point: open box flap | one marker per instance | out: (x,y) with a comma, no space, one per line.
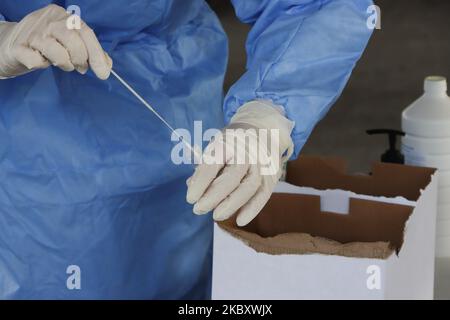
(295,224)
(370,229)
(386,179)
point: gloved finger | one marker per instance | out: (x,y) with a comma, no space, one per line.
(99,61)
(73,43)
(54,52)
(221,187)
(240,196)
(251,209)
(205,173)
(31,58)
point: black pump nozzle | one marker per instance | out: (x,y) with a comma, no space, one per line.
(391,155)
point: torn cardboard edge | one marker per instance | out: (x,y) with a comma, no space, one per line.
(303,243)
(371,229)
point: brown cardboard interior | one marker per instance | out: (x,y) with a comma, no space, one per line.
(371,229)
(367,221)
(386,179)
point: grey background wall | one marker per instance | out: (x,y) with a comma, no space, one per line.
(414,41)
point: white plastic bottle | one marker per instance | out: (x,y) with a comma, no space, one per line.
(426,123)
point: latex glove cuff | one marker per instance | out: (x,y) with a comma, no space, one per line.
(265,115)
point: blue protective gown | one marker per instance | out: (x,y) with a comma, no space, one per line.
(86,178)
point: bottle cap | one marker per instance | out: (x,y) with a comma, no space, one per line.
(429,116)
(435,85)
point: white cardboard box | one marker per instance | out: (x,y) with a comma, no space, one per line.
(241,272)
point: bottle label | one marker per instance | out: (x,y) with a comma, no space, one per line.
(412,157)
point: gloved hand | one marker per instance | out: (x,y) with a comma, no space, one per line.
(42,38)
(241,167)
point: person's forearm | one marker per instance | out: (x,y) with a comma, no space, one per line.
(300,56)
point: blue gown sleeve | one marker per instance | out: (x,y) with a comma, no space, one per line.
(300,54)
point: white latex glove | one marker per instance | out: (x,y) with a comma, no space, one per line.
(229,185)
(42,38)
